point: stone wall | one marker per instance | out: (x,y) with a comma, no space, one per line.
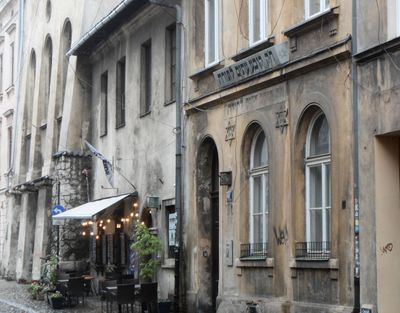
(71,189)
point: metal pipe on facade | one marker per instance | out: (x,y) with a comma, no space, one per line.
(179,294)
(354,76)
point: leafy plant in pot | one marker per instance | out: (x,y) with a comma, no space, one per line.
(147,246)
(56,300)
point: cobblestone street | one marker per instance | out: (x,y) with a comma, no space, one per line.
(15,298)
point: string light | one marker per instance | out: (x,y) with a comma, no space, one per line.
(135,205)
(137,214)
(122,220)
(108,221)
(132,214)
(97,236)
(91,233)
(83,233)
(127,220)
(104,227)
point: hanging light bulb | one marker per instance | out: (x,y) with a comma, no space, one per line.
(132,214)
(97,236)
(135,205)
(127,219)
(83,233)
(104,227)
(122,220)
(101,222)
(108,221)
(137,214)
(90,223)
(91,233)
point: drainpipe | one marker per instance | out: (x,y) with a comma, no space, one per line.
(354,74)
(179,293)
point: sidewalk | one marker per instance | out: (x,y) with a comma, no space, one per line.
(15,298)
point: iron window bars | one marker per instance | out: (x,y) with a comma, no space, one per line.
(319,250)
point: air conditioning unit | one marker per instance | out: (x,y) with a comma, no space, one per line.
(153,202)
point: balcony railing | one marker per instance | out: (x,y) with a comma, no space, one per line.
(319,250)
(253,250)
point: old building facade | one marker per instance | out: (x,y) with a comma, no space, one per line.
(376,85)
(269,172)
(47,98)
(131,61)
(9,79)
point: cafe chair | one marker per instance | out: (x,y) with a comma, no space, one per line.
(125,297)
(103,284)
(75,290)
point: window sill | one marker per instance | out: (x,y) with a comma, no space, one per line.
(207,70)
(103,135)
(119,126)
(311,23)
(331,264)
(144,114)
(167,103)
(9,89)
(43,125)
(255,262)
(254,49)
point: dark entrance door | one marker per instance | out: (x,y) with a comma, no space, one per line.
(214,195)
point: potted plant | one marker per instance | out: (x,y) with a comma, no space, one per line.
(56,300)
(147,247)
(36,290)
(164,306)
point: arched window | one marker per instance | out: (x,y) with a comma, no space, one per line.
(258,173)
(46,71)
(318,185)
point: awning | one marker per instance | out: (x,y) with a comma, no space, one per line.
(90,209)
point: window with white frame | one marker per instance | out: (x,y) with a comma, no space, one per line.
(258,18)
(211,32)
(258,192)
(318,184)
(314,7)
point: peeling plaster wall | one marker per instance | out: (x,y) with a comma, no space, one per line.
(143,150)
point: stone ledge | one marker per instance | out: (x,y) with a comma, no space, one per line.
(267,262)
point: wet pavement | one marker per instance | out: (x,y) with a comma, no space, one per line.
(15,298)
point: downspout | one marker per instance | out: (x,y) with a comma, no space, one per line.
(17,90)
(179,265)
(354,74)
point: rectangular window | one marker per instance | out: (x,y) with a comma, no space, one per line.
(257,21)
(170,64)
(10,132)
(103,103)
(12,62)
(318,179)
(211,32)
(314,7)
(120,93)
(145,78)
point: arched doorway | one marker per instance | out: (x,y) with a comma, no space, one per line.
(208,225)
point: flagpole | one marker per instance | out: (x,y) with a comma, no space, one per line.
(118,170)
